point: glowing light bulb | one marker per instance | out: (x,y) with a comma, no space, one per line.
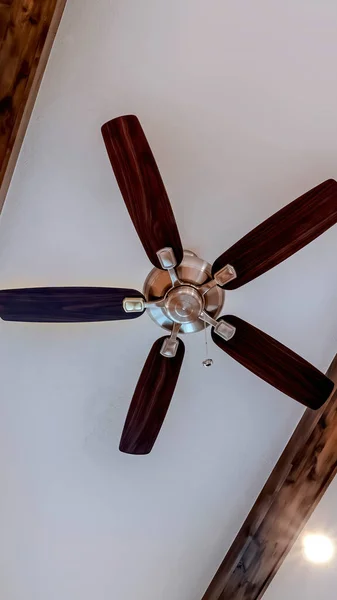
(318,548)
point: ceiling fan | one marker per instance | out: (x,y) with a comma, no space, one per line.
(183,293)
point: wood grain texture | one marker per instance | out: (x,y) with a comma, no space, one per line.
(301,476)
(151,400)
(141,186)
(66,304)
(4,18)
(275,363)
(27,31)
(283,234)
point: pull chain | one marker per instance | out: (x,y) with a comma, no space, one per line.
(208,361)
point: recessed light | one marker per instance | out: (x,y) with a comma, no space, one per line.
(318,548)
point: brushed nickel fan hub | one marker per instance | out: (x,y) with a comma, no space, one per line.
(183,304)
(184,301)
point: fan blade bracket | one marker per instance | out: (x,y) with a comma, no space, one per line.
(167,258)
(135,305)
(225,275)
(207,287)
(221,278)
(170,345)
(169,348)
(223,329)
(168,262)
(131,305)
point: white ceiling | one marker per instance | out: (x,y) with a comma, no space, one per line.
(299,579)
(238,100)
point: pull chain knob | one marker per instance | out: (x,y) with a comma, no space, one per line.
(208,361)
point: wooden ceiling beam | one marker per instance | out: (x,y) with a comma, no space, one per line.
(301,476)
(27,31)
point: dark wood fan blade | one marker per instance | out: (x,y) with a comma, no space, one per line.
(283,234)
(151,400)
(141,186)
(275,363)
(66,304)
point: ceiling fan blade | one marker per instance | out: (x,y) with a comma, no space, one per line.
(280,236)
(275,363)
(151,399)
(141,186)
(66,304)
